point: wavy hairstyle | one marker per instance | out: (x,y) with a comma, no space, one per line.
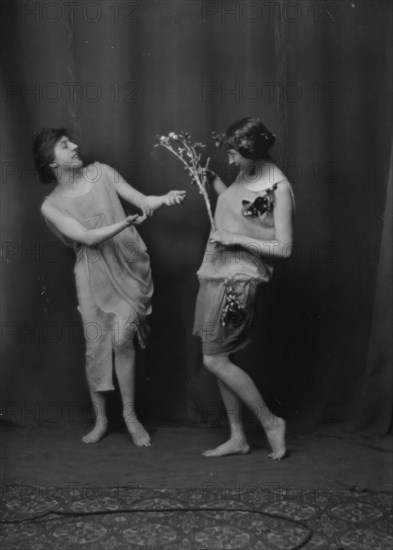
(43,152)
(249,136)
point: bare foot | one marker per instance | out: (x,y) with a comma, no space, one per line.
(138,433)
(276,437)
(97,432)
(230,447)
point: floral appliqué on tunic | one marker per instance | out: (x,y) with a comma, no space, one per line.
(233,311)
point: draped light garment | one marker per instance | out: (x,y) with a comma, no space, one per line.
(244,268)
(113,278)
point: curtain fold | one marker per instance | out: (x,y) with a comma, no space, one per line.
(374,408)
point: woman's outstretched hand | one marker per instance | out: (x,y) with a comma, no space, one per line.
(148,204)
(173,198)
(135,219)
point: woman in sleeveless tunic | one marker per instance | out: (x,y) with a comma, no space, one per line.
(253,221)
(112,268)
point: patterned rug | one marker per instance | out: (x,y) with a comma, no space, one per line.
(43,518)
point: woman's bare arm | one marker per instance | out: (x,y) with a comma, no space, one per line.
(147,203)
(219,186)
(75,231)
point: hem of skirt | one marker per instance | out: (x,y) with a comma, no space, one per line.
(236,277)
(142,334)
(232,349)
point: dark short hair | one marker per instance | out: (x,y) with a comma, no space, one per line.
(250,137)
(43,152)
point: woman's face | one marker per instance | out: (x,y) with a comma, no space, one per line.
(66,154)
(234,157)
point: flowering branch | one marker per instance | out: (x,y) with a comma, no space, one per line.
(189,154)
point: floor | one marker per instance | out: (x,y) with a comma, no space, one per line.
(326,469)
(56,454)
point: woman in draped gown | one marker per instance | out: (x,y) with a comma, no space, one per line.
(112,267)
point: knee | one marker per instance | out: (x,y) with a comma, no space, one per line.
(124,347)
(213,363)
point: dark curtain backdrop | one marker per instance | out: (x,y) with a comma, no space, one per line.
(117,74)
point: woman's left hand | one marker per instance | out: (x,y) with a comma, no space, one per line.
(174,198)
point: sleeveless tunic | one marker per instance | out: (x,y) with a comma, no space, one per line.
(242,269)
(113,278)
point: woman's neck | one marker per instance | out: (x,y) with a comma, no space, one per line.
(259,175)
(72,181)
